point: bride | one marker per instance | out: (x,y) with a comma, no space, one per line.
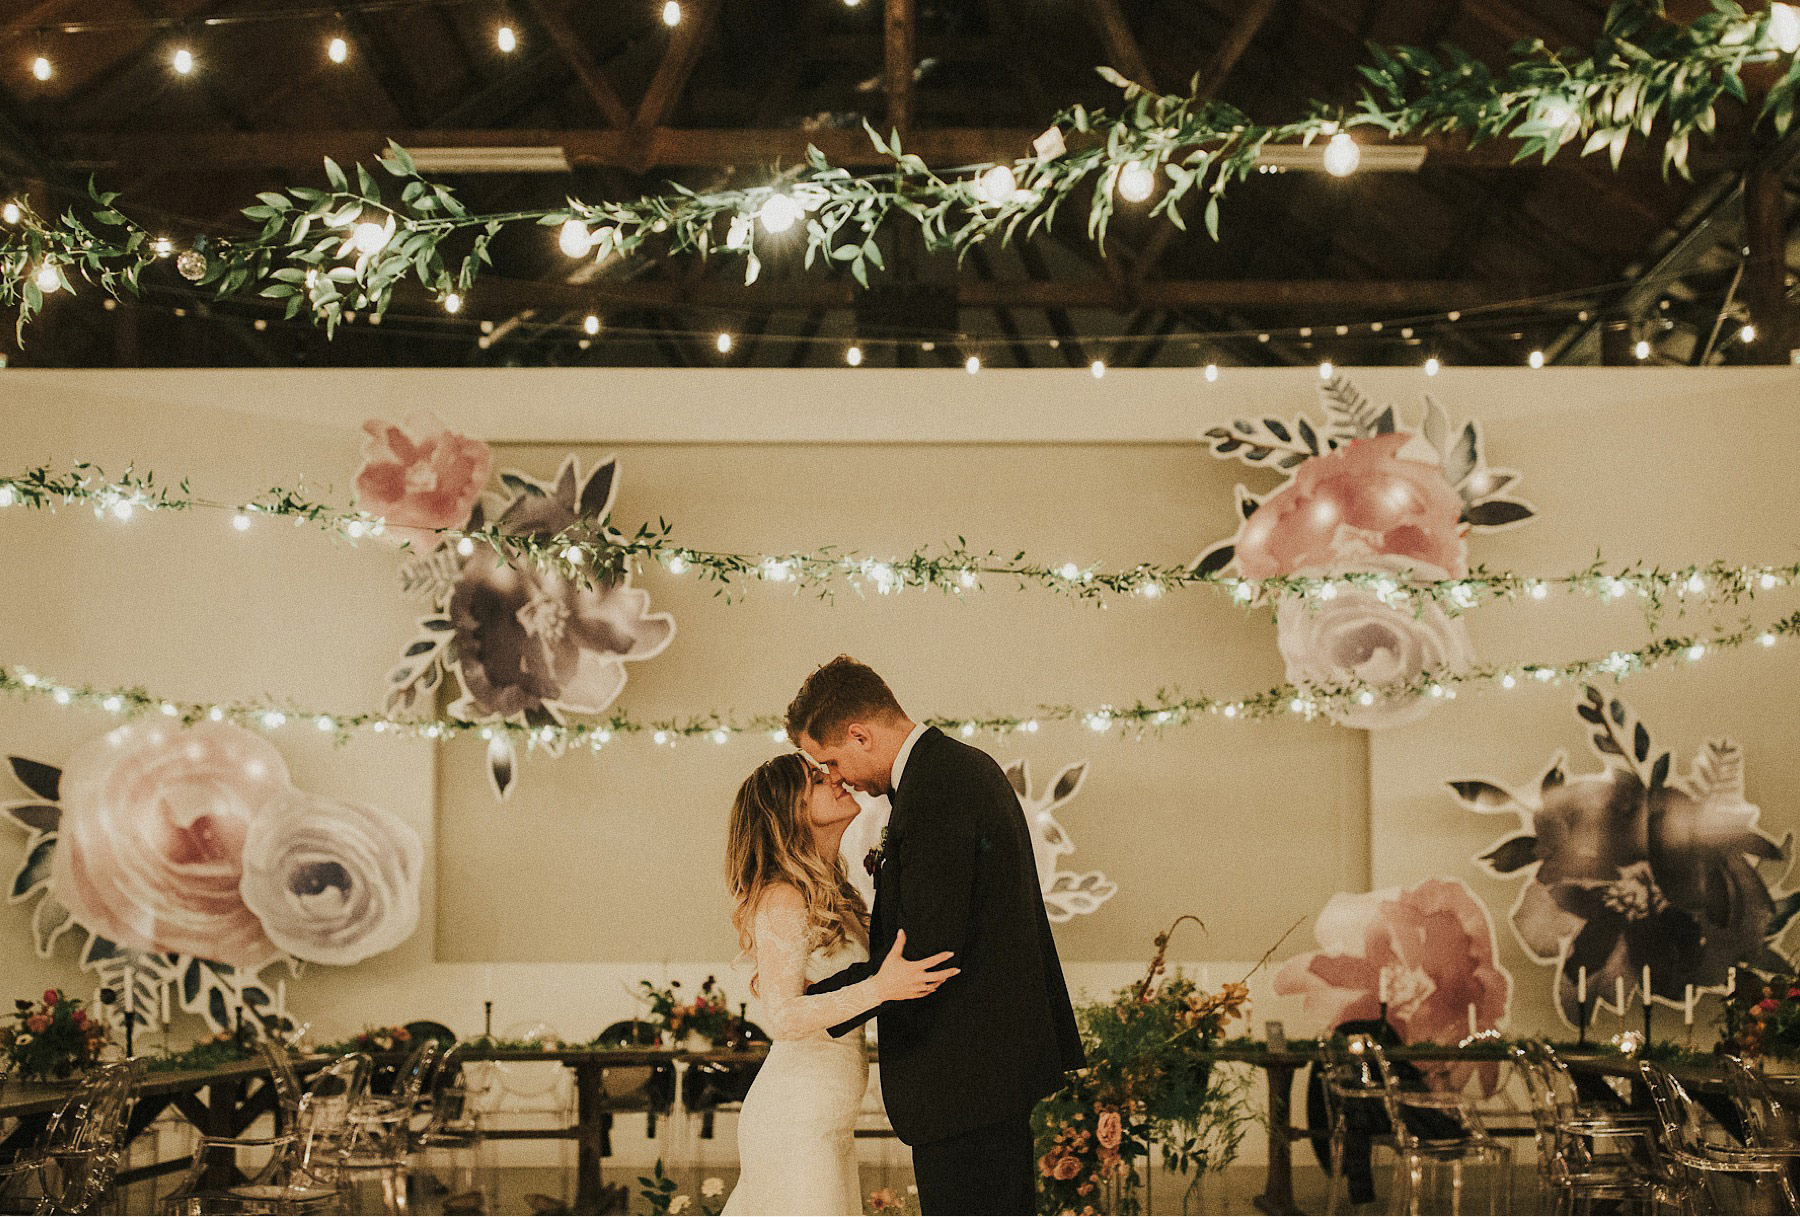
(801,920)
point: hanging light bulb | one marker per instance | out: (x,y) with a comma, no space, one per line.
(337,50)
(1136,182)
(11,213)
(972,364)
(369,237)
(1784,27)
(779,212)
(1747,334)
(996,186)
(40,68)
(1432,365)
(453,303)
(1535,359)
(182,61)
(48,278)
(1342,155)
(724,343)
(1098,368)
(1212,372)
(1642,349)
(506,38)
(575,239)
(591,324)
(854,357)
(672,14)
(1325,369)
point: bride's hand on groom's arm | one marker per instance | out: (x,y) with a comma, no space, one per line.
(903,979)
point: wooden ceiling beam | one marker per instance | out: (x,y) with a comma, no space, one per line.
(1237,40)
(494,296)
(685,44)
(652,147)
(899,56)
(575,53)
(1122,51)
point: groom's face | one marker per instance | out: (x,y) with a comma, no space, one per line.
(851,759)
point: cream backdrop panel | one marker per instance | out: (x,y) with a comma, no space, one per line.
(603,870)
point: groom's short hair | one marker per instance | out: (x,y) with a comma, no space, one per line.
(839,693)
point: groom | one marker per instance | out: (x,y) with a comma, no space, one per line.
(962,1069)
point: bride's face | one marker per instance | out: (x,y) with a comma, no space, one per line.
(829,802)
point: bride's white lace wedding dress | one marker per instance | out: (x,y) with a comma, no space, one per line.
(796,1133)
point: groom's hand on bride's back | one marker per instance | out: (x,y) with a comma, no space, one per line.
(903,979)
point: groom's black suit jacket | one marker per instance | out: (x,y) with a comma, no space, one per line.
(957,874)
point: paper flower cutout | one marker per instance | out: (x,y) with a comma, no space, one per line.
(1636,866)
(333,882)
(530,645)
(1362,496)
(420,476)
(1067,894)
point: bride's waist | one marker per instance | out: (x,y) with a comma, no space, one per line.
(851,1044)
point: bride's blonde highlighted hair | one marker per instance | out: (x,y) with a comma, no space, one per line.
(771,842)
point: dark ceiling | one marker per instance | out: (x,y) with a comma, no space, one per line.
(1571,258)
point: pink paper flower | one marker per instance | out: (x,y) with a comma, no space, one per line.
(152,834)
(420,476)
(1362,499)
(1433,940)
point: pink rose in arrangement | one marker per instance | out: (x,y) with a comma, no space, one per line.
(1111,1130)
(1433,941)
(151,845)
(1360,499)
(420,476)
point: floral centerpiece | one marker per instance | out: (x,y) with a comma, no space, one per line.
(1762,1020)
(374,1039)
(53,1038)
(707,1017)
(1149,1080)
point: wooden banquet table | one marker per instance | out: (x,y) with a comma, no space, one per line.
(226,1100)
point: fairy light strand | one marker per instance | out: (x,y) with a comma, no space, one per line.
(1137,720)
(590,554)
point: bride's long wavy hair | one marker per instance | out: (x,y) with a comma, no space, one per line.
(771,841)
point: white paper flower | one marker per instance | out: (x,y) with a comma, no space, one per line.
(1354,637)
(333,882)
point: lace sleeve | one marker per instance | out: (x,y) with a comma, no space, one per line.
(782,947)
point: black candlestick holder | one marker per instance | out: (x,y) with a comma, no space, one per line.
(1384,1020)
(487,1020)
(132,1018)
(1647,1008)
(1581,1022)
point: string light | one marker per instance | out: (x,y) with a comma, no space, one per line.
(337,50)
(1784,27)
(1326,369)
(1432,365)
(182,61)
(575,239)
(1136,182)
(1747,333)
(241,522)
(506,38)
(972,364)
(854,356)
(779,212)
(48,278)
(996,186)
(1642,349)
(40,68)
(452,303)
(1212,372)
(369,237)
(1536,359)
(591,324)
(1342,155)
(671,14)
(10,212)
(723,342)
(1098,368)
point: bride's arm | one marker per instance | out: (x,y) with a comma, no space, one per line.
(781,951)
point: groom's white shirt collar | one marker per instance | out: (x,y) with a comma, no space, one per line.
(900,760)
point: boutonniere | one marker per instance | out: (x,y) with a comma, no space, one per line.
(872,859)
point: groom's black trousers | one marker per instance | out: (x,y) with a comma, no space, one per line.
(988,1170)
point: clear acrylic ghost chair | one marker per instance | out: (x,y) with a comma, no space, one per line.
(1707,1171)
(1585,1155)
(452,1127)
(1434,1129)
(71,1168)
(302,1174)
(1352,1089)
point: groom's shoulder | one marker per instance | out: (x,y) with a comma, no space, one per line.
(950,757)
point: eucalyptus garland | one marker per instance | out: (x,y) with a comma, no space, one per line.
(597,553)
(1167,708)
(324,251)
